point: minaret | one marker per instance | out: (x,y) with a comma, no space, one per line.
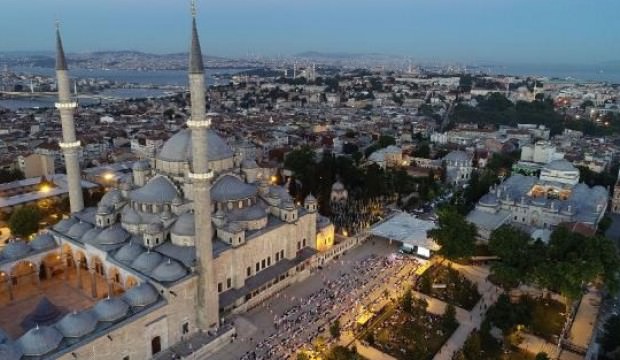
(207,315)
(70,145)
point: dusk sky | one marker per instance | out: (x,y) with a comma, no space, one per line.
(527,31)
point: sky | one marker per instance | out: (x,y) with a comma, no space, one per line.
(504,31)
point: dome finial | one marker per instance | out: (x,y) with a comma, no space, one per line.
(193,8)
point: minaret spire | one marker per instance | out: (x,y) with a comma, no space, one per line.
(207,309)
(70,145)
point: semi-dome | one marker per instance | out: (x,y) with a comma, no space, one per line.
(39,341)
(10,352)
(130,216)
(179,147)
(140,165)
(111,198)
(112,235)
(16,249)
(64,225)
(184,226)
(168,271)
(90,235)
(147,261)
(43,241)
(78,230)
(77,324)
(129,252)
(230,188)
(155,227)
(141,295)
(157,190)
(255,212)
(110,309)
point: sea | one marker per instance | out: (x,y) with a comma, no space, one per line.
(146,78)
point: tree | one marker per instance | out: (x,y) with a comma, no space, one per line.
(407,301)
(334,329)
(542,356)
(473,346)
(341,353)
(455,235)
(25,221)
(303,356)
(449,318)
(518,255)
(385,141)
(10,175)
(611,340)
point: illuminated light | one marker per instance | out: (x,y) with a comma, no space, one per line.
(274,179)
(345,233)
(45,189)
(108,176)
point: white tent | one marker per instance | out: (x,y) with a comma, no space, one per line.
(407,229)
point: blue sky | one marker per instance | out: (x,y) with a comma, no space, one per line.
(516,31)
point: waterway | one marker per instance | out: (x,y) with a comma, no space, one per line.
(144,78)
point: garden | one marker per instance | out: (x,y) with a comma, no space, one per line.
(448,285)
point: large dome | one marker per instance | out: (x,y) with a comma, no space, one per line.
(179,147)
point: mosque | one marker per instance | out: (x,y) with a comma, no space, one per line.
(195,234)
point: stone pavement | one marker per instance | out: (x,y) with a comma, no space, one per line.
(467,323)
(534,345)
(257,324)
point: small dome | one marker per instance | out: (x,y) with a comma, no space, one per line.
(177,201)
(220,214)
(141,295)
(130,216)
(39,341)
(154,228)
(129,252)
(166,215)
(77,324)
(289,204)
(184,226)
(112,235)
(338,186)
(310,199)
(90,235)
(110,309)
(168,271)
(125,186)
(234,228)
(76,231)
(230,188)
(249,164)
(16,249)
(10,352)
(43,241)
(157,190)
(146,262)
(111,198)
(64,225)
(140,166)
(4,337)
(103,209)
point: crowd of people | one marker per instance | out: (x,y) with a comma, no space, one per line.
(360,286)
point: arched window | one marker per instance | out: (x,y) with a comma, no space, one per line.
(155,345)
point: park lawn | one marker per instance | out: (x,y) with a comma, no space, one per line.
(547,318)
(459,291)
(410,337)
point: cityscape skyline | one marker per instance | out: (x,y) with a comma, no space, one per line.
(552,34)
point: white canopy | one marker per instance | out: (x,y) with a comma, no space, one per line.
(407,229)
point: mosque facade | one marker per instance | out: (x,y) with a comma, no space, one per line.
(195,234)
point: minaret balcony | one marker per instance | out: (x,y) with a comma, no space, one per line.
(69,145)
(197,124)
(66,105)
(206,176)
